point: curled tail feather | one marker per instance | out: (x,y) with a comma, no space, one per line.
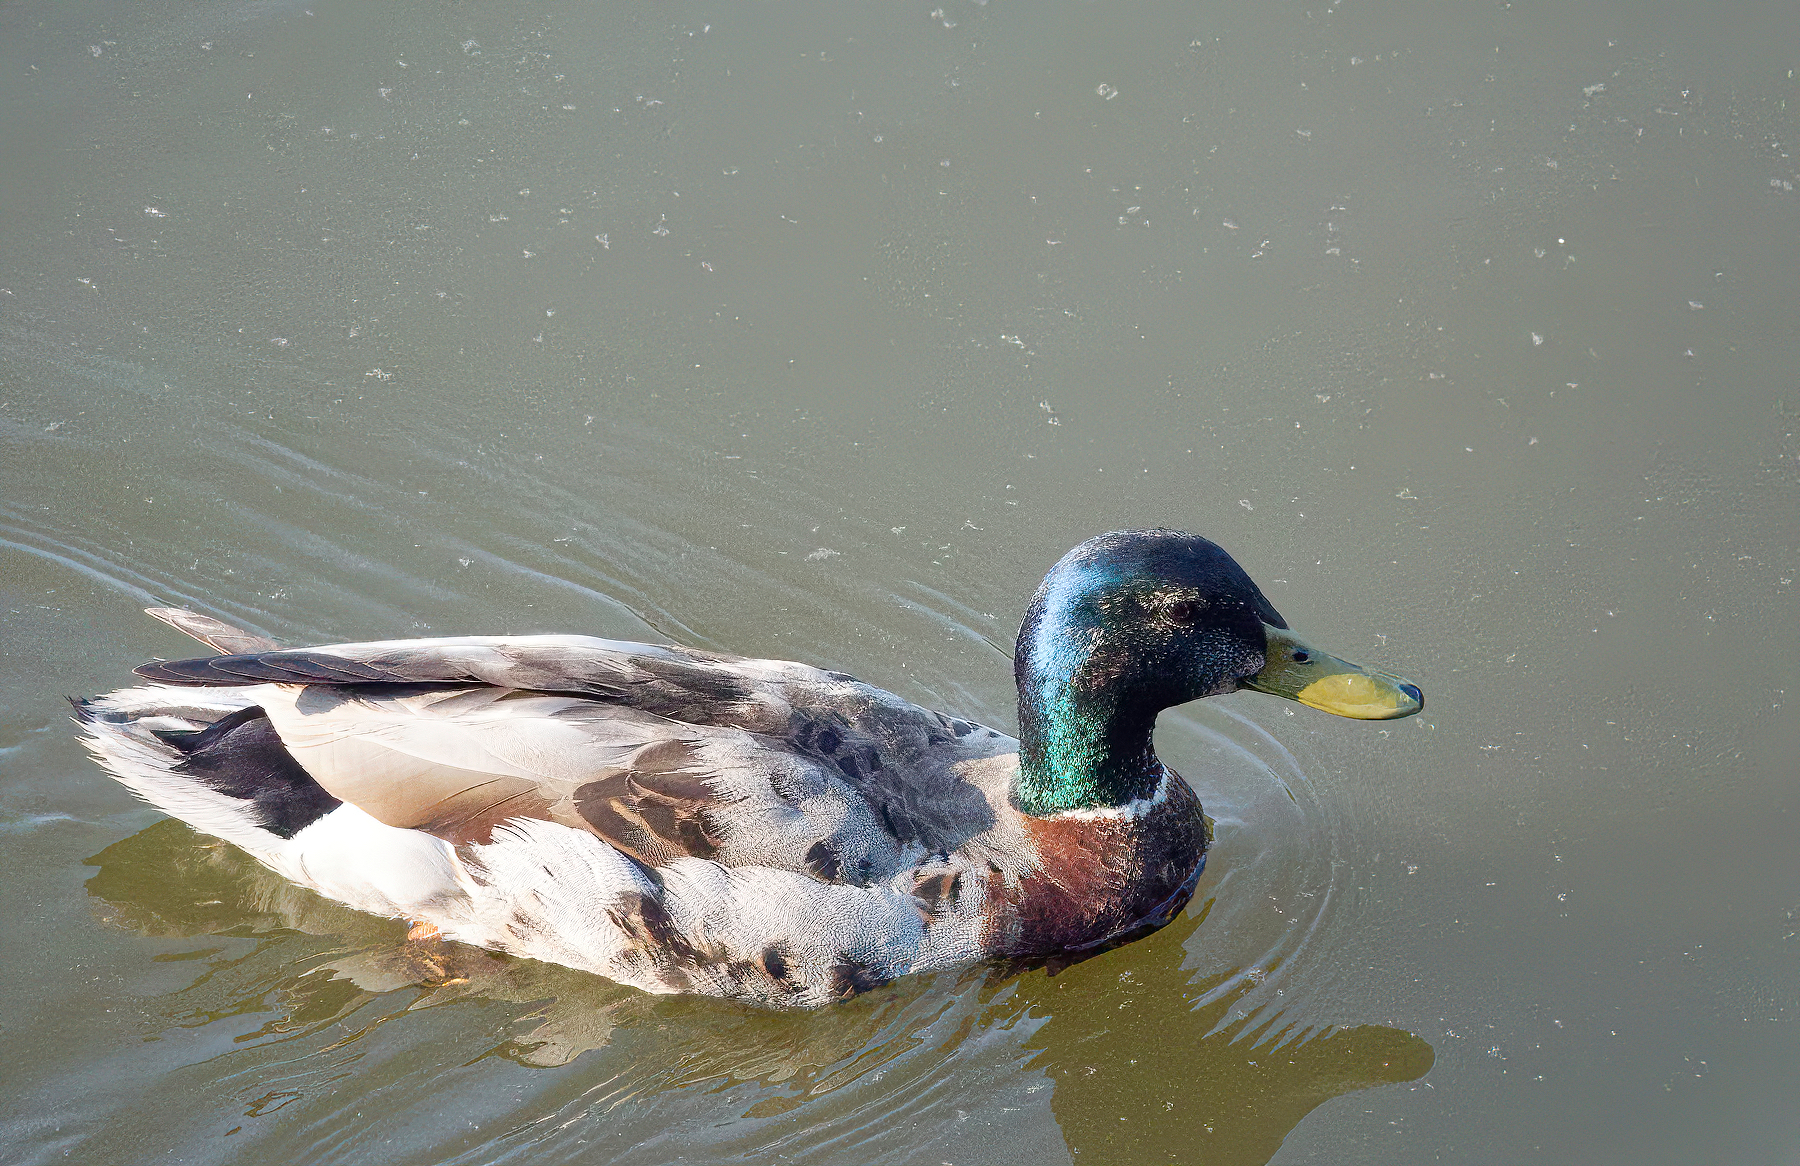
(215,634)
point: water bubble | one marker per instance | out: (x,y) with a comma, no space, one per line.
(1106,92)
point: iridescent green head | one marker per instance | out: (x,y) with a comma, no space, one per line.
(1133,622)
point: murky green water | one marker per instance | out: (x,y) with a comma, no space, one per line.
(820,331)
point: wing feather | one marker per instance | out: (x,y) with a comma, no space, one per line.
(663,752)
(571,664)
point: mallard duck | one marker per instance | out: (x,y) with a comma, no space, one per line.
(685,821)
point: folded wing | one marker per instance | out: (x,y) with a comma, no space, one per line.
(663,752)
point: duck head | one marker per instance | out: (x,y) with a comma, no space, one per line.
(1130,623)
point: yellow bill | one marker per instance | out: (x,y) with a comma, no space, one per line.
(1297,670)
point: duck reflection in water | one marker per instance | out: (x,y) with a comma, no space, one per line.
(1117,1035)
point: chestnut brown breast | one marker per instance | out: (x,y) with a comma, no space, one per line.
(1097,877)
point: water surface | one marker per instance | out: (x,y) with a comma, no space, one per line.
(819,331)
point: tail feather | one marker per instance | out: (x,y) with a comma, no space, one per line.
(241,756)
(130,749)
(207,757)
(215,634)
(211,758)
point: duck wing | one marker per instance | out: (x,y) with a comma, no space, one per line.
(676,682)
(663,752)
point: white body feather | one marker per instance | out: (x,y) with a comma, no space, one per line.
(550,891)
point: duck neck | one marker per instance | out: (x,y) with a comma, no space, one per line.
(1082,747)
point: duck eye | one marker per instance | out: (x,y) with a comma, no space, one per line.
(1302,656)
(1180,613)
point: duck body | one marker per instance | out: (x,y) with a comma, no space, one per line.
(684,821)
